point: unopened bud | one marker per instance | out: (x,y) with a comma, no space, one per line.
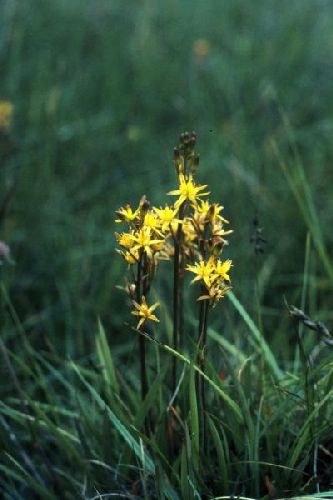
(192,141)
(145,204)
(218,245)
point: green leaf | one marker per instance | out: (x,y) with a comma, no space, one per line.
(223,466)
(105,358)
(257,335)
(194,421)
(184,484)
(125,434)
(38,488)
(150,398)
(233,406)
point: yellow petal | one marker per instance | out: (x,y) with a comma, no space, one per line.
(153,317)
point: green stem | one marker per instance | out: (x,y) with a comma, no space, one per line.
(142,346)
(204,310)
(178,297)
(308,390)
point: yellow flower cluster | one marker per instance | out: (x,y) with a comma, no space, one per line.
(148,232)
(214,276)
(192,224)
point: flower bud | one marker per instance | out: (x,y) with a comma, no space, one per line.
(145,204)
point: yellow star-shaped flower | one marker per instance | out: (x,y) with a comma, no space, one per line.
(204,271)
(144,312)
(131,257)
(187,191)
(222,269)
(143,241)
(125,239)
(210,212)
(151,221)
(215,293)
(166,216)
(126,214)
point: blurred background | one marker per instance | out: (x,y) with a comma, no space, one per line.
(101,90)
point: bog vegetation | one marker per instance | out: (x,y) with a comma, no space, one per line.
(149,347)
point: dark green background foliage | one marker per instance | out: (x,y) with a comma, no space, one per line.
(101,91)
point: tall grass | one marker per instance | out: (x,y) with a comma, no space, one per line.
(101,90)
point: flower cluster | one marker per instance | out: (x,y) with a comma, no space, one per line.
(209,234)
(213,274)
(148,232)
(191,230)
(145,242)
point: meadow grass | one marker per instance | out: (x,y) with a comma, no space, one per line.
(101,90)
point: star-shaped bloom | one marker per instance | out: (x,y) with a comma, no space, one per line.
(144,312)
(166,216)
(143,241)
(125,239)
(187,191)
(131,257)
(204,271)
(210,212)
(126,214)
(215,293)
(151,221)
(218,230)
(222,269)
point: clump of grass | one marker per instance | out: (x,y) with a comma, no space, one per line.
(192,233)
(163,420)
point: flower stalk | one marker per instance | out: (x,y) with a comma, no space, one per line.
(191,232)
(142,345)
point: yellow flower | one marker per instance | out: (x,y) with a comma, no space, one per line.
(166,215)
(142,241)
(222,269)
(218,230)
(210,212)
(6,113)
(215,293)
(187,191)
(126,214)
(132,257)
(205,271)
(151,221)
(189,230)
(164,253)
(144,312)
(125,239)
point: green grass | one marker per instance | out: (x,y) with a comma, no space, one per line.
(101,92)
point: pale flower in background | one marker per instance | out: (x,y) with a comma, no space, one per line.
(201,48)
(6,114)
(4,251)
